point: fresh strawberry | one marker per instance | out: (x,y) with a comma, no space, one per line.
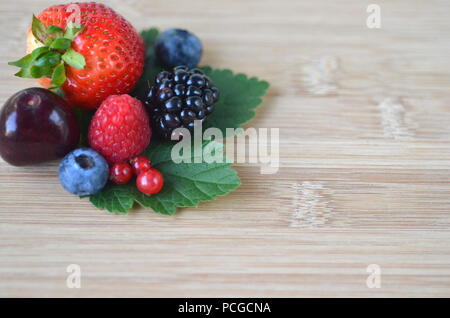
(119,129)
(101,56)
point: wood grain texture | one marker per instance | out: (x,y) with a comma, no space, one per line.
(365,162)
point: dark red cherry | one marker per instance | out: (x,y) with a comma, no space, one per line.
(36,125)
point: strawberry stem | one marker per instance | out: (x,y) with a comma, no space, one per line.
(50,59)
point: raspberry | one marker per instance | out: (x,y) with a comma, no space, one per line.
(120,129)
(179,98)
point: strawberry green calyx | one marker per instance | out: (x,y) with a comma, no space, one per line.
(50,59)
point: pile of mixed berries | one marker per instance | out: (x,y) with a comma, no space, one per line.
(94,65)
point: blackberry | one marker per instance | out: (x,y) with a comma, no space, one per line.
(179,98)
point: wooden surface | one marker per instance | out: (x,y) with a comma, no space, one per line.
(365,163)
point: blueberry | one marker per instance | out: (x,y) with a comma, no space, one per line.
(176,47)
(83,172)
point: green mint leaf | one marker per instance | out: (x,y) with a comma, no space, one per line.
(61,44)
(74,59)
(72,30)
(151,65)
(59,75)
(116,199)
(239,97)
(55,30)
(39,30)
(185,184)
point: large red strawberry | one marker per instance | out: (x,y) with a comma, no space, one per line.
(100,55)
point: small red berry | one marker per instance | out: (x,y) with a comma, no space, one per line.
(121,173)
(150,181)
(140,164)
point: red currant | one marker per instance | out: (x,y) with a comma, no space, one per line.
(150,181)
(120,173)
(140,164)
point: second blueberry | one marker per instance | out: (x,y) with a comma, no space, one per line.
(175,47)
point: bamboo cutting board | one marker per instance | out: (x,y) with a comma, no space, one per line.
(365,163)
